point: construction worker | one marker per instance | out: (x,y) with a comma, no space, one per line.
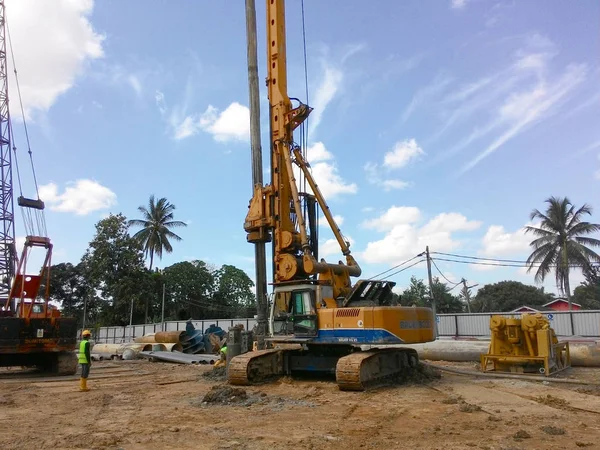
(85,359)
(223,360)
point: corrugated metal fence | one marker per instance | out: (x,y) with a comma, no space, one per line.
(578,323)
(564,323)
(119,335)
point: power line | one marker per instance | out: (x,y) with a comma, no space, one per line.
(524,265)
(405,268)
(396,266)
(480,258)
(445,278)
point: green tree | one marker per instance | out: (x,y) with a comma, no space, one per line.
(113,264)
(157,221)
(419,294)
(507,296)
(233,296)
(189,289)
(587,294)
(561,241)
(70,288)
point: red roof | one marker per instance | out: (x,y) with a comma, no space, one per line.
(562,300)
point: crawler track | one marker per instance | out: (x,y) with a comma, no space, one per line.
(253,367)
(358,371)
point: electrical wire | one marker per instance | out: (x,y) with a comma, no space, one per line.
(395,267)
(479,258)
(405,268)
(524,265)
(444,276)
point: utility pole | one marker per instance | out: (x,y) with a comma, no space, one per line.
(131,313)
(431,292)
(84,312)
(260,260)
(467,293)
(162,317)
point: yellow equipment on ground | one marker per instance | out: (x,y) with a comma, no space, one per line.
(525,345)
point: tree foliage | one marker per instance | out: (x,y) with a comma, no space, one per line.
(507,296)
(417,293)
(561,241)
(157,221)
(587,294)
(189,287)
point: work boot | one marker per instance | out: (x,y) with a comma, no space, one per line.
(83,385)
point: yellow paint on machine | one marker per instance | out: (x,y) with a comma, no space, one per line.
(384,324)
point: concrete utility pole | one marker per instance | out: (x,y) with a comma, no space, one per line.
(467,294)
(431,292)
(260,260)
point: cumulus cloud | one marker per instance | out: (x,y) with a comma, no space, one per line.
(402,154)
(80,197)
(405,237)
(331,247)
(325,172)
(53,42)
(232,124)
(498,242)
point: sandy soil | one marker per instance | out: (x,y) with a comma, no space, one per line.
(141,405)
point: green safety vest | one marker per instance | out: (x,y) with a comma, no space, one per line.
(224,350)
(82,357)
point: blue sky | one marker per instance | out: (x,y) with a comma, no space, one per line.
(436,123)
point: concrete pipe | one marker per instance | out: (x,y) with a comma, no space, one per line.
(169,337)
(130,354)
(145,339)
(173,347)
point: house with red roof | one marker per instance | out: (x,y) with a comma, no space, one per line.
(558,304)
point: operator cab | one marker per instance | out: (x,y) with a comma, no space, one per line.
(294,310)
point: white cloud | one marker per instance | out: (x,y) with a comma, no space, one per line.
(332,247)
(232,124)
(396,215)
(458,4)
(53,42)
(374,176)
(402,153)
(498,242)
(339,220)
(400,156)
(405,239)
(329,86)
(325,172)
(81,197)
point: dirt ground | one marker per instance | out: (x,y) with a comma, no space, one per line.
(142,405)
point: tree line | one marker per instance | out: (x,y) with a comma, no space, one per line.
(111,285)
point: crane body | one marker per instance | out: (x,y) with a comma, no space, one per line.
(32,331)
(318,320)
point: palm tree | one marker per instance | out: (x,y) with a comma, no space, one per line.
(561,242)
(156,223)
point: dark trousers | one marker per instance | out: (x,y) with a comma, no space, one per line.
(85,370)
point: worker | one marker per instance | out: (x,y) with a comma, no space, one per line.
(224,352)
(85,359)
(223,360)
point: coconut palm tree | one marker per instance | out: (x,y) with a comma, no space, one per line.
(156,223)
(561,241)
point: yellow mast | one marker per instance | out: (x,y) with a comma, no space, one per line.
(274,207)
